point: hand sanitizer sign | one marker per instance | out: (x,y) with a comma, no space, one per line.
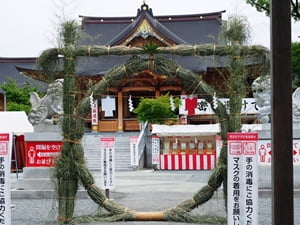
(5,160)
(242,182)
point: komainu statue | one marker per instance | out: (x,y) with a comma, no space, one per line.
(261,88)
(44,109)
(296,106)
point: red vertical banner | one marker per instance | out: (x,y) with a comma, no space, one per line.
(242,185)
(5,161)
(108,162)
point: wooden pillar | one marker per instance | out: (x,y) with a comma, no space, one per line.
(281,79)
(120,111)
(157,93)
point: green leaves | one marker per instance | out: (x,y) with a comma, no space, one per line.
(17,97)
(156,110)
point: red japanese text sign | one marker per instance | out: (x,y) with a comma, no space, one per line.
(42,153)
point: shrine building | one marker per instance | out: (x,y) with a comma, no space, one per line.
(140,29)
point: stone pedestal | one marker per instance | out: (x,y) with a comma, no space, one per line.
(38,178)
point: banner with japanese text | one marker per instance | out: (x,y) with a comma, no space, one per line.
(155,150)
(5,161)
(107,162)
(242,184)
(191,105)
(94,113)
(134,157)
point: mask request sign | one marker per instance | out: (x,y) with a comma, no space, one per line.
(242,183)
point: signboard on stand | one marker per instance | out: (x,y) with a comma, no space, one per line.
(155,150)
(108,162)
(42,153)
(5,160)
(242,205)
(134,155)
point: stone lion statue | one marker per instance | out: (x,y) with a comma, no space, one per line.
(296,106)
(44,109)
(261,88)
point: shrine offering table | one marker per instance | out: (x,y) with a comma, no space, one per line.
(187,161)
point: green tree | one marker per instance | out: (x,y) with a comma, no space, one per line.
(296,63)
(264,6)
(156,110)
(17,97)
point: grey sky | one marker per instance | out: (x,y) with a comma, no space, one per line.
(29,27)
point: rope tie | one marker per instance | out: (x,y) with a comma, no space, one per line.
(66,198)
(195,203)
(72,141)
(210,187)
(89,50)
(177,70)
(88,187)
(200,82)
(64,219)
(125,70)
(103,203)
(108,48)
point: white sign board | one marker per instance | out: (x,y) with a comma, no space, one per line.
(197,106)
(155,150)
(134,158)
(5,160)
(265,152)
(108,162)
(242,205)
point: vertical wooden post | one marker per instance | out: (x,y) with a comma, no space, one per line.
(282,157)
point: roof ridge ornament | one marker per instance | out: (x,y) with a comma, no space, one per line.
(145,8)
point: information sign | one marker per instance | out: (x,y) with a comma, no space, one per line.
(134,157)
(5,195)
(265,152)
(242,183)
(108,162)
(42,153)
(155,150)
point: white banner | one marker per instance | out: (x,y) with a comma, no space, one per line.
(134,157)
(108,162)
(197,106)
(155,150)
(5,162)
(265,152)
(242,205)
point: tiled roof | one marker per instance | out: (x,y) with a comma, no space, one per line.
(8,70)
